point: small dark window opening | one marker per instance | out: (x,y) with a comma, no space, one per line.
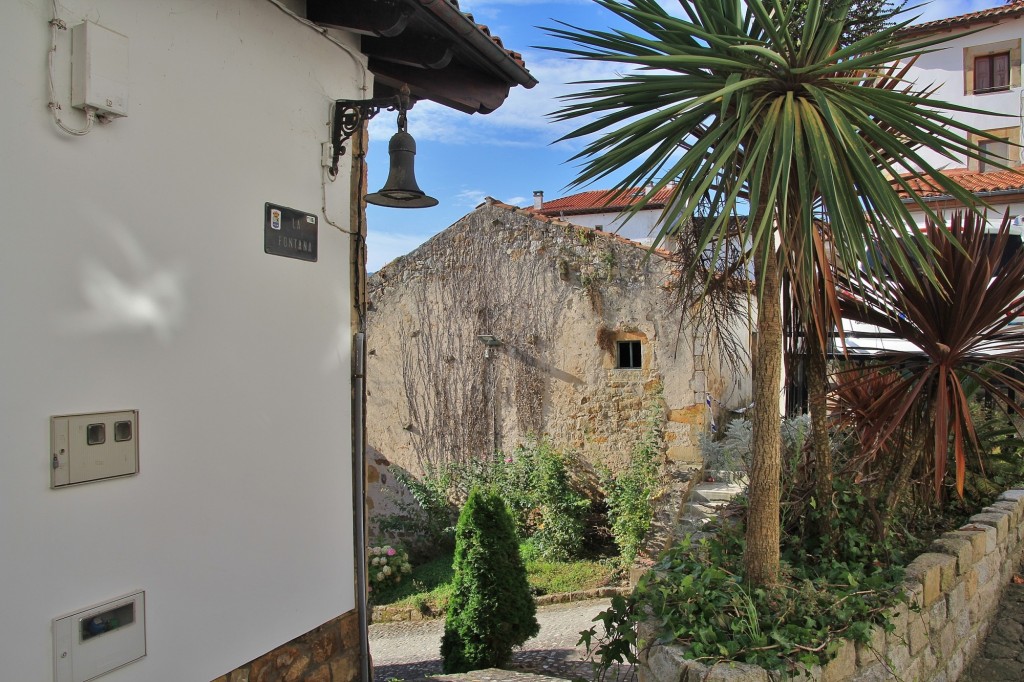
(629,355)
(992,72)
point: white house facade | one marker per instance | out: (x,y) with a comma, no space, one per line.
(980,67)
(181,401)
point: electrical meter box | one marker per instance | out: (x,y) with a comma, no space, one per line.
(92,447)
(99,69)
(93,641)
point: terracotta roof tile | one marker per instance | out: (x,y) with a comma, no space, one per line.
(973,181)
(486,30)
(602,201)
(1012,9)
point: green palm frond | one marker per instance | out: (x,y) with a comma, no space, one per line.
(729,107)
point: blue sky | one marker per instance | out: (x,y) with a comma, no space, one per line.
(511,152)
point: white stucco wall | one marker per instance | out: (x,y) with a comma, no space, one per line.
(944,68)
(995,215)
(133,277)
(640,227)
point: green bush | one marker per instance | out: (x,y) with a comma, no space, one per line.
(491,609)
(536,484)
(628,494)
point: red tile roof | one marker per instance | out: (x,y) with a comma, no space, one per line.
(972,181)
(602,201)
(486,30)
(1011,10)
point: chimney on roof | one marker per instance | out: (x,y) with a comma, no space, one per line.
(538,199)
(649,187)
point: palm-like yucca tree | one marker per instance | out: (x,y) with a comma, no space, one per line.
(728,104)
(964,331)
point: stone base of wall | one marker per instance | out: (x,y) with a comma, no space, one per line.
(953,591)
(328,653)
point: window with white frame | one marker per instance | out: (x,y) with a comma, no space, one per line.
(992,67)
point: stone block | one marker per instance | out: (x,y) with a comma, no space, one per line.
(955,665)
(957,546)
(983,569)
(962,628)
(927,569)
(937,616)
(735,672)
(898,618)
(346,668)
(843,666)
(912,671)
(991,537)
(666,663)
(696,672)
(929,661)
(917,634)
(956,601)
(1014,508)
(914,591)
(1014,494)
(872,651)
(872,673)
(999,521)
(321,674)
(978,538)
(945,643)
(970,583)
(897,655)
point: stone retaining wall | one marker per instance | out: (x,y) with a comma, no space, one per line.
(955,586)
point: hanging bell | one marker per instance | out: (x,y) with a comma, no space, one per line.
(401,190)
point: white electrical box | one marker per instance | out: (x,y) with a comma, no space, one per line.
(93,641)
(91,447)
(99,69)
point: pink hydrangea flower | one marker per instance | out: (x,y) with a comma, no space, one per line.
(391,551)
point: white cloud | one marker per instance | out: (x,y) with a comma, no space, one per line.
(384,247)
(522,121)
(471,198)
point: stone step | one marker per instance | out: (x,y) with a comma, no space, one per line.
(715,492)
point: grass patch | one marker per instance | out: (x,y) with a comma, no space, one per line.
(547,577)
(428,587)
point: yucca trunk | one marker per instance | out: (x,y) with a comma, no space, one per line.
(761,555)
(817,403)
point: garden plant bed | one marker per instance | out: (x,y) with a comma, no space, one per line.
(952,592)
(424,593)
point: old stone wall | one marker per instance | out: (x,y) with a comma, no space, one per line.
(328,653)
(953,592)
(558,298)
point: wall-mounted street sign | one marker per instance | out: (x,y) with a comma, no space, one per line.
(289,233)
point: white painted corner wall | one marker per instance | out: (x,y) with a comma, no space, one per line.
(133,277)
(944,70)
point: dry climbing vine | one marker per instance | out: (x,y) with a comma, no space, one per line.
(478,281)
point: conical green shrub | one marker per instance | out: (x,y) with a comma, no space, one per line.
(491,610)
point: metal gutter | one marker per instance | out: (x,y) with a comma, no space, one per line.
(470,33)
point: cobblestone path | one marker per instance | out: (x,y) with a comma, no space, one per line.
(409,650)
(1001,658)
